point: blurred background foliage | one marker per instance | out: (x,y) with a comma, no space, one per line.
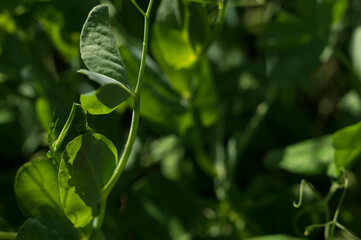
(230,123)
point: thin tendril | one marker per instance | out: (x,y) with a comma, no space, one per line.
(337,212)
(310,228)
(303,182)
(343,228)
(297,205)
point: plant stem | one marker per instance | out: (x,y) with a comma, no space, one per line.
(133,127)
(331,192)
(8,235)
(255,121)
(98,221)
(347,231)
(135,118)
(138,7)
(337,212)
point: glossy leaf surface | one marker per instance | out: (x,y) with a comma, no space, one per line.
(87,164)
(36,189)
(100,54)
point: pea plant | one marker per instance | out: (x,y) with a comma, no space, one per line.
(212,82)
(66,194)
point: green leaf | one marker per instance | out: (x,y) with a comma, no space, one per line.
(199,27)
(45,229)
(36,189)
(74,126)
(107,97)
(347,144)
(275,237)
(100,54)
(161,104)
(310,157)
(169,36)
(291,69)
(87,164)
(205,96)
(356,50)
(103,80)
(55,30)
(310,22)
(43,112)
(104,100)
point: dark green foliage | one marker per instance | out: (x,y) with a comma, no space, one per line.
(236,108)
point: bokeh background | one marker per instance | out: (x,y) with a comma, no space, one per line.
(210,160)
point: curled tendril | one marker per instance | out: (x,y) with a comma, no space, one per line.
(329,225)
(311,228)
(297,205)
(303,183)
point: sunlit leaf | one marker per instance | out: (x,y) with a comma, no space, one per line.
(107,97)
(170,43)
(43,112)
(100,54)
(104,100)
(87,164)
(205,94)
(347,144)
(310,157)
(36,189)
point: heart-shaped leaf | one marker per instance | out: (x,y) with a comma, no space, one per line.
(36,189)
(100,54)
(86,166)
